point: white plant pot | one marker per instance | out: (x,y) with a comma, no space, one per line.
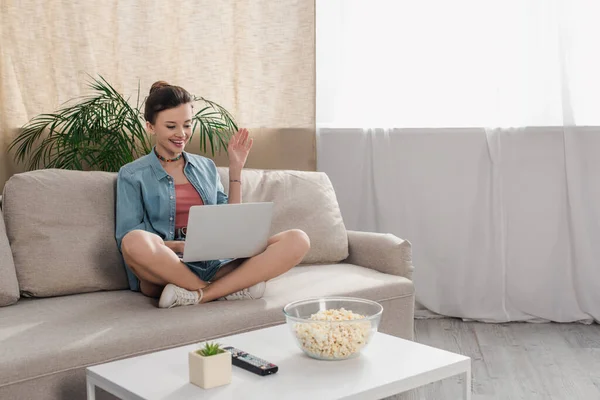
(211,371)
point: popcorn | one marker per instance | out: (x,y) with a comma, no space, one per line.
(331,340)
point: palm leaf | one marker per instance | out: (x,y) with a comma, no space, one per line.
(102,131)
(216,125)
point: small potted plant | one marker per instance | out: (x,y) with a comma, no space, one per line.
(210,366)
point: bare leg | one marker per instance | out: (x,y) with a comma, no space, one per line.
(155,264)
(150,289)
(284,251)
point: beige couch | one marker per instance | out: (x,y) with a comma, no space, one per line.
(64,292)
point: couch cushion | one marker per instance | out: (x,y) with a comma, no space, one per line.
(9,287)
(303,200)
(61,229)
(47,335)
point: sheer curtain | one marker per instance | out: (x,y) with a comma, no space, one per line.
(462,63)
(255,58)
(470,128)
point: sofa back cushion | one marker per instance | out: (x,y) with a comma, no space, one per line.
(9,287)
(61,229)
(303,200)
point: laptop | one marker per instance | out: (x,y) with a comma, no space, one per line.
(227,231)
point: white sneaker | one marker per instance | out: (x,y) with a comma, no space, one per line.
(174,296)
(251,293)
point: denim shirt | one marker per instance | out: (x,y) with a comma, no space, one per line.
(146,194)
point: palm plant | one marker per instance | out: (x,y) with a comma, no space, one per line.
(104,132)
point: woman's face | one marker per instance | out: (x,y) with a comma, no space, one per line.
(173,129)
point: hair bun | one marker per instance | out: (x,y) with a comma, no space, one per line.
(158,85)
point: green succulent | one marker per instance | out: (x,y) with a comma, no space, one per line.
(210,349)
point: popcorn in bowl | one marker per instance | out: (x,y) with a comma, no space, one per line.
(333,335)
(333,328)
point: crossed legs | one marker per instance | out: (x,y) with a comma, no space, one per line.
(156,265)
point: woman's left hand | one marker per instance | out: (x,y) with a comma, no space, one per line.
(238,148)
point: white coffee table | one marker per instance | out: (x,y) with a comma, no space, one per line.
(388,366)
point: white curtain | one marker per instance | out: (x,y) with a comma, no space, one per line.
(468,128)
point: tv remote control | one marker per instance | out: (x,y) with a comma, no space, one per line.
(251,363)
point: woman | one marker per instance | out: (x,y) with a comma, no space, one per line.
(154,195)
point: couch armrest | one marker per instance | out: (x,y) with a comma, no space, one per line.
(382,252)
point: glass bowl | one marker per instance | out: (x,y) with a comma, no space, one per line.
(333,328)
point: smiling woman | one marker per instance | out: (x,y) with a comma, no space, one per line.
(154,195)
(173,126)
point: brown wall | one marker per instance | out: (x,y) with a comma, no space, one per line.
(275,149)
(287,148)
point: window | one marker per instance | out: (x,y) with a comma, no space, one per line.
(459,63)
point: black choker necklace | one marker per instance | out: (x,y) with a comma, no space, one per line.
(167,159)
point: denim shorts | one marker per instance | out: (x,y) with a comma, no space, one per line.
(205,270)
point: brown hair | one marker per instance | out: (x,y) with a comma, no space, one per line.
(162,97)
